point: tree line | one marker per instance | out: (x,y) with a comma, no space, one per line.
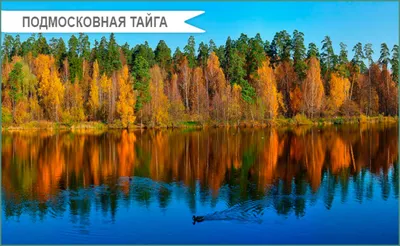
(247,79)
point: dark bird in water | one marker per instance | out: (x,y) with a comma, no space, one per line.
(249,211)
(197,219)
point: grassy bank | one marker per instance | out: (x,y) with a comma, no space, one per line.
(298,120)
(302,120)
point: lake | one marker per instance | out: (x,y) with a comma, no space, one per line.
(270,186)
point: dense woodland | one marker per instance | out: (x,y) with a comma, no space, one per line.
(248,79)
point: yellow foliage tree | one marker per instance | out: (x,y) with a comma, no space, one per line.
(21,112)
(51,90)
(339,87)
(214,75)
(126,99)
(215,86)
(267,91)
(176,109)
(73,103)
(159,102)
(56,95)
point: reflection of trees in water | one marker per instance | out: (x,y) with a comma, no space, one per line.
(291,169)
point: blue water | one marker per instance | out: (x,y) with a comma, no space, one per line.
(352,221)
(356,205)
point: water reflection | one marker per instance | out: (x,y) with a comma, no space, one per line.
(47,173)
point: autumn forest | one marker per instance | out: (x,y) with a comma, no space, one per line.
(245,80)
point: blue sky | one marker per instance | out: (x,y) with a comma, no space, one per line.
(348,22)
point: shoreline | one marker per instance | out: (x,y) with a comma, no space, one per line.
(297,121)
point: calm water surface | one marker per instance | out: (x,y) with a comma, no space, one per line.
(330,185)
